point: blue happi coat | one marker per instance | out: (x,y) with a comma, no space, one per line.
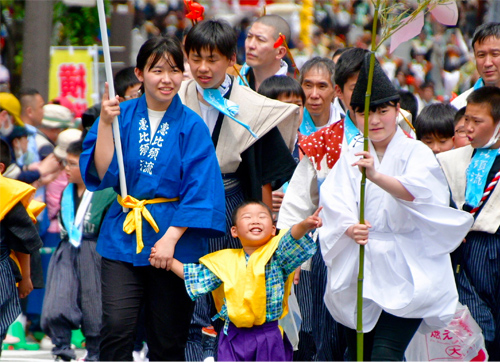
(177,161)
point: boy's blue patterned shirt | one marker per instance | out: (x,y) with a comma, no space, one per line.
(289,255)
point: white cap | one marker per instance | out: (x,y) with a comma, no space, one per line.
(63,141)
(56,116)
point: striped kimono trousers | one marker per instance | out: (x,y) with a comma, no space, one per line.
(9,298)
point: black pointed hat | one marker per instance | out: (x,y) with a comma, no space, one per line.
(382,89)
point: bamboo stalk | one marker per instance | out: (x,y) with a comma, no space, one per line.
(239,75)
(407,121)
(359,321)
(296,70)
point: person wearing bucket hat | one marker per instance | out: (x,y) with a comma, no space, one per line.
(64,139)
(408,233)
(56,118)
(54,189)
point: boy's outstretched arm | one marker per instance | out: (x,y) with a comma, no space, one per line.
(178,268)
(302,228)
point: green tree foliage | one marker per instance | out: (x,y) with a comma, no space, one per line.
(74,25)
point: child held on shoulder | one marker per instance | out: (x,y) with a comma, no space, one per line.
(251,285)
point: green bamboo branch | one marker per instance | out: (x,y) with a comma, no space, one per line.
(359,322)
(392,23)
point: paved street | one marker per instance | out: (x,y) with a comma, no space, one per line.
(40,355)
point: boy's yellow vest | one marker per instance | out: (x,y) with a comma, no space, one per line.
(244,286)
(14,191)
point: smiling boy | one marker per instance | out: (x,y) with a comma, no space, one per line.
(242,279)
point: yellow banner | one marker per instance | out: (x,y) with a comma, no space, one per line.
(71,76)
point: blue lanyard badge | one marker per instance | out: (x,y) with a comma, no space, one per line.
(68,216)
(230,109)
(477,173)
(307,126)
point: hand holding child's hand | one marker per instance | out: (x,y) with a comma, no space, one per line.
(359,232)
(110,107)
(162,254)
(25,287)
(366,162)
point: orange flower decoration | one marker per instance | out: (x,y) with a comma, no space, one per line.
(280,41)
(196,11)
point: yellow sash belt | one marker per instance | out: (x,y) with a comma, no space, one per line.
(133,221)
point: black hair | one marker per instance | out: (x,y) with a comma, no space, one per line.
(123,79)
(278,24)
(276,86)
(214,35)
(75,148)
(5,156)
(409,103)
(90,115)
(340,51)
(186,30)
(348,65)
(325,64)
(458,116)
(26,97)
(428,84)
(155,49)
(246,203)
(373,108)
(28,92)
(489,96)
(436,119)
(485,31)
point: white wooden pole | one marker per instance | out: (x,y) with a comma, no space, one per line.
(109,79)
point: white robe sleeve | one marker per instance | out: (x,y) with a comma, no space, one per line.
(340,211)
(423,176)
(301,198)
